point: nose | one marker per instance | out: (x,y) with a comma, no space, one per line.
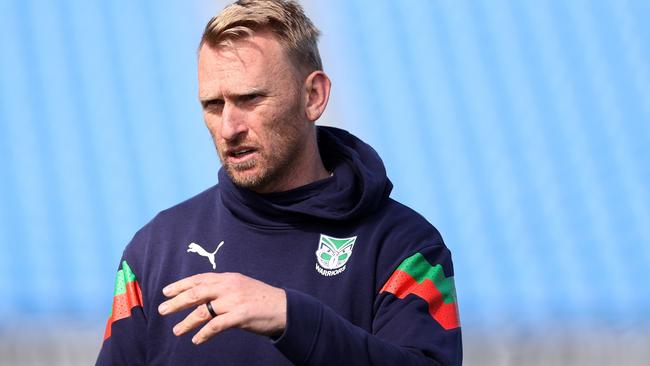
(233,122)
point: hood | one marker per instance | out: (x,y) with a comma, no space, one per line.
(358,187)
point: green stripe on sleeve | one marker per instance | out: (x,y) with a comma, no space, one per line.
(420,269)
(124,276)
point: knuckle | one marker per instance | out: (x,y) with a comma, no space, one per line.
(194,294)
(203,313)
(214,327)
(242,313)
(238,299)
(200,278)
(197,280)
(239,280)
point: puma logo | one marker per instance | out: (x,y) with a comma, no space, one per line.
(195,248)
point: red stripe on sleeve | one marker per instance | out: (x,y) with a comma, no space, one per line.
(122,305)
(402,284)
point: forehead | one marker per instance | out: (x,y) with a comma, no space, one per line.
(257,61)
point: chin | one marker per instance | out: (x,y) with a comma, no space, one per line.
(247,179)
(256,175)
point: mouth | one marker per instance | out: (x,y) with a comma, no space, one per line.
(240,154)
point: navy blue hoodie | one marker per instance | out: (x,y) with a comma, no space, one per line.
(368,280)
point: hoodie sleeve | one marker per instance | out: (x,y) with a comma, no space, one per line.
(123,338)
(416,320)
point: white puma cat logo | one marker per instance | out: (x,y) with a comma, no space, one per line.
(195,248)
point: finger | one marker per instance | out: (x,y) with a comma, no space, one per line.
(216,326)
(198,316)
(196,295)
(186,283)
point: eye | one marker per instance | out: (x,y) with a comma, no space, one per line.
(212,104)
(249,97)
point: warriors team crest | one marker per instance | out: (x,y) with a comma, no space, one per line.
(332,254)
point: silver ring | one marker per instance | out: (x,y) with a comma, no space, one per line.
(210,309)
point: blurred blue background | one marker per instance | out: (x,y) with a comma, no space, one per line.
(521,129)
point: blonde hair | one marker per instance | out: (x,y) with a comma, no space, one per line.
(285,18)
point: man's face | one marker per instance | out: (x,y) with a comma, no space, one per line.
(253,106)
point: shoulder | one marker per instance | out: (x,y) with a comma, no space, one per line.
(158,242)
(402,233)
(187,210)
(177,219)
(403,224)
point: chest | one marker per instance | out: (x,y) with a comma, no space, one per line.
(336,268)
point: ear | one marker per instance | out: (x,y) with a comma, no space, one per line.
(317,87)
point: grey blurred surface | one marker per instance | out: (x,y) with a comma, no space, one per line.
(586,347)
(601,347)
(52,346)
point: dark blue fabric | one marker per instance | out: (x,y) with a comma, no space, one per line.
(358,187)
(336,319)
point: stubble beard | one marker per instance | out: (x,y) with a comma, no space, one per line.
(274,165)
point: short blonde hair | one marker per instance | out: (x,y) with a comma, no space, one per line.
(286,18)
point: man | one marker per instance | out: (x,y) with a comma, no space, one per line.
(297,255)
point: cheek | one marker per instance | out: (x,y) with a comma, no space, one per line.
(212,123)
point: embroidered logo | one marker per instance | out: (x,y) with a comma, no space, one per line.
(195,248)
(332,254)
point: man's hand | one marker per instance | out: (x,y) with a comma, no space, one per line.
(239,301)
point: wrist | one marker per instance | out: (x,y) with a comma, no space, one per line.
(280,319)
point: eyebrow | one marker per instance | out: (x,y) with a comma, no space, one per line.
(260,91)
